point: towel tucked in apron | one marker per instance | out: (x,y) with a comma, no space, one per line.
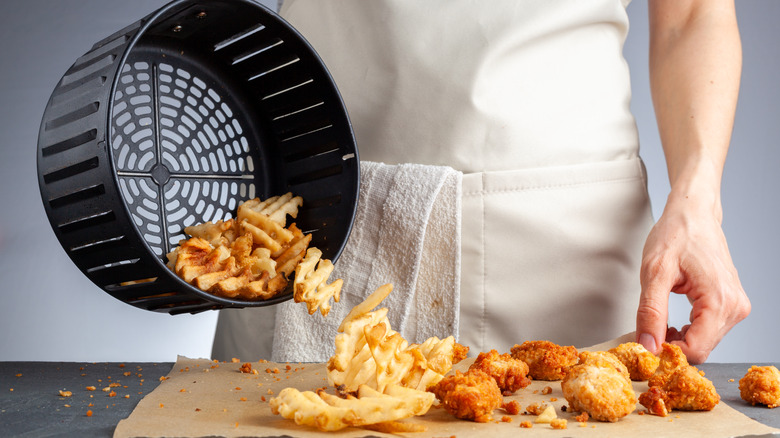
(530,100)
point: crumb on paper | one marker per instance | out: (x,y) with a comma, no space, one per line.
(536,408)
(512,407)
(547,415)
(559,423)
(526,425)
(583,417)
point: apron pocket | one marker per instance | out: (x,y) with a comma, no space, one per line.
(552,253)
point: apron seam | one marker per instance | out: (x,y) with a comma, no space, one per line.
(549,186)
(483,324)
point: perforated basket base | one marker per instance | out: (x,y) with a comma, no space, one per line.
(174,121)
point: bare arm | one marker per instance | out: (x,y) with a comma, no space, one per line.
(695,64)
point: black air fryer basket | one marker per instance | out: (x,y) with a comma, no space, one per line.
(174,121)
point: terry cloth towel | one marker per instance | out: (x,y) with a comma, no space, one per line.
(406,232)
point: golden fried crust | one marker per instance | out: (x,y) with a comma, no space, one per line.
(509,373)
(546,360)
(761,385)
(688,390)
(471,396)
(605,393)
(459,352)
(641,364)
(670,358)
(654,400)
(604,359)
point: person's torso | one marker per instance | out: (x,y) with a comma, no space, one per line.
(479,86)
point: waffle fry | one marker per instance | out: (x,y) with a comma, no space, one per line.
(277,207)
(328,412)
(310,285)
(369,353)
(252,256)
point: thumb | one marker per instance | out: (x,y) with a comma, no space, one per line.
(653,312)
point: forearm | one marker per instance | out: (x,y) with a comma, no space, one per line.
(695,65)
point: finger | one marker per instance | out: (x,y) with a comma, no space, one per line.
(672,334)
(651,318)
(700,337)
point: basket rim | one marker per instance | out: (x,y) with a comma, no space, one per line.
(153,19)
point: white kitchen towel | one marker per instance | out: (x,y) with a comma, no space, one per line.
(406,232)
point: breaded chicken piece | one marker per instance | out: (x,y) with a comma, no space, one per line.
(761,385)
(600,389)
(653,400)
(685,389)
(604,359)
(641,363)
(471,396)
(509,373)
(670,358)
(546,360)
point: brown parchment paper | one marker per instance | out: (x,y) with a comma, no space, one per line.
(201,398)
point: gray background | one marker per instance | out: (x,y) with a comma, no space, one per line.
(50,311)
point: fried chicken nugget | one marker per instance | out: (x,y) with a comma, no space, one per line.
(686,389)
(670,358)
(604,359)
(546,360)
(641,363)
(599,388)
(470,396)
(677,385)
(509,373)
(761,385)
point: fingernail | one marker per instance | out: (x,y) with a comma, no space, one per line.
(648,341)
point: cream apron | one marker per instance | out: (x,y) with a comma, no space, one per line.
(530,100)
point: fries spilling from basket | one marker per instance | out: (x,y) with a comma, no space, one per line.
(253,256)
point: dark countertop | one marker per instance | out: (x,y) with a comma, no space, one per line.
(30,404)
